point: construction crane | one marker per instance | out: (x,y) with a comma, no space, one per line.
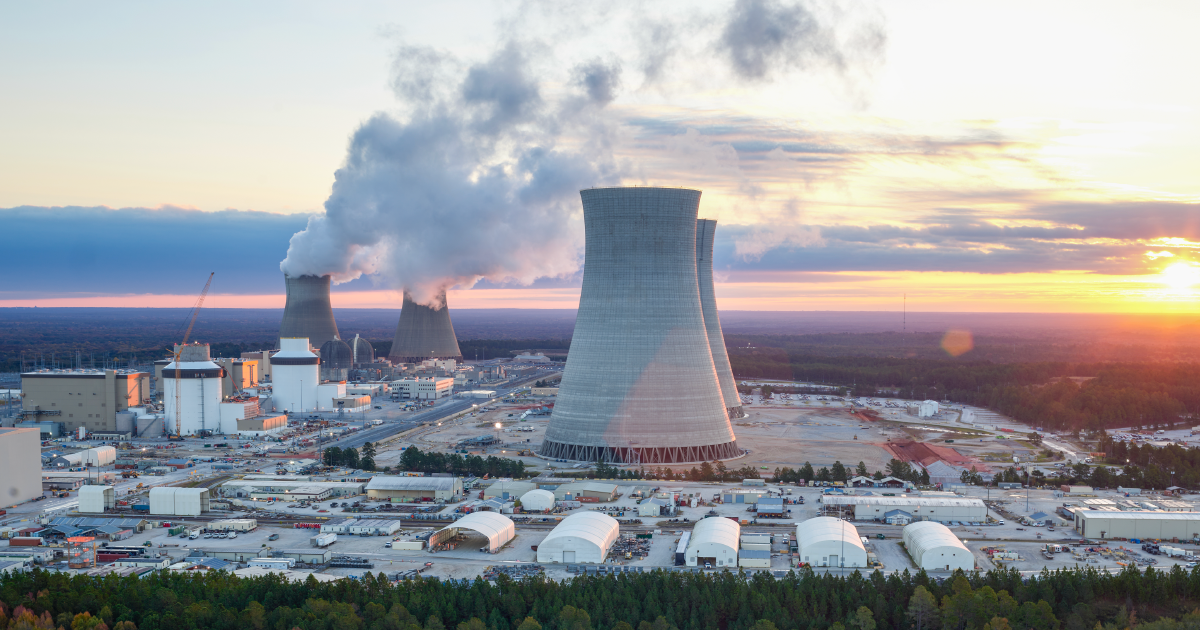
(178,351)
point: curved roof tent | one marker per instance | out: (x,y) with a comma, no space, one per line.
(935,548)
(498,529)
(831,540)
(537,500)
(580,537)
(714,537)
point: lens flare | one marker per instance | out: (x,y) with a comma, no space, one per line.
(958,342)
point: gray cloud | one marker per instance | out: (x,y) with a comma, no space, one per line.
(760,35)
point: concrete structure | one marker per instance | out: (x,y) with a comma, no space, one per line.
(706,230)
(830,542)
(875,508)
(714,541)
(307,312)
(408,489)
(1152,525)
(587,490)
(580,537)
(497,528)
(172,501)
(88,399)
(640,384)
(424,332)
(97,499)
(361,351)
(263,358)
(327,393)
(423,388)
(240,375)
(934,547)
(537,501)
(20,465)
(295,375)
(199,393)
(508,489)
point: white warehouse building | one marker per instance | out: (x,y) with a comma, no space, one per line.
(934,547)
(1159,525)
(830,542)
(97,499)
(714,542)
(875,508)
(580,537)
(173,501)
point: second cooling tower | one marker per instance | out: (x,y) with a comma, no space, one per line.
(706,230)
(307,312)
(424,332)
(640,385)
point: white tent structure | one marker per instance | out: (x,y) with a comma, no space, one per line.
(171,501)
(537,500)
(497,528)
(580,537)
(935,548)
(830,542)
(714,541)
(96,499)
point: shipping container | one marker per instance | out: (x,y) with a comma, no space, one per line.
(24,541)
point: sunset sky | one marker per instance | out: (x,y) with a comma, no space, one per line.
(1014,156)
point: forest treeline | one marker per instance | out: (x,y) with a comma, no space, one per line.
(997,600)
(414,460)
(1117,394)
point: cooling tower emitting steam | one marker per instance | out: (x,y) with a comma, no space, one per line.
(640,385)
(308,312)
(424,332)
(706,230)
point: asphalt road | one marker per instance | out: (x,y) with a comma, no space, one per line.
(433,414)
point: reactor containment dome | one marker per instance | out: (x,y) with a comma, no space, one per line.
(640,385)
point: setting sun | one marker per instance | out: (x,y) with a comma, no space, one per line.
(1181,276)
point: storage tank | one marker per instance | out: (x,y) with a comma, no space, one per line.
(125,420)
(308,312)
(424,332)
(640,385)
(200,391)
(706,230)
(81,434)
(295,374)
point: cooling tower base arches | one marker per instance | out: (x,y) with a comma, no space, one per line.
(644,456)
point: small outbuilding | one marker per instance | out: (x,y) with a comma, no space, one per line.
(580,537)
(537,501)
(507,489)
(97,499)
(934,547)
(497,528)
(830,542)
(714,542)
(754,559)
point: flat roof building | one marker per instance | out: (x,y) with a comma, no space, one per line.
(20,465)
(587,490)
(508,489)
(1156,525)
(409,489)
(88,399)
(875,508)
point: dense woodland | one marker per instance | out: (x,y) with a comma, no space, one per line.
(998,600)
(414,460)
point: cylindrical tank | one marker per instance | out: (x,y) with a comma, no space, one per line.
(82,433)
(199,395)
(308,312)
(640,384)
(706,230)
(295,374)
(125,421)
(424,332)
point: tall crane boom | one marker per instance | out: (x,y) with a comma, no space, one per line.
(178,351)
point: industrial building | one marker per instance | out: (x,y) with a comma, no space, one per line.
(173,501)
(307,313)
(261,425)
(597,491)
(537,501)
(423,388)
(830,542)
(714,542)
(424,332)
(240,375)
(497,528)
(295,375)
(289,490)
(580,537)
(93,457)
(87,399)
(640,385)
(20,465)
(409,489)
(507,489)
(1151,525)
(199,393)
(754,559)
(97,499)
(875,508)
(706,230)
(934,547)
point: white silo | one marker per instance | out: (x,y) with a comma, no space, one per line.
(295,374)
(199,394)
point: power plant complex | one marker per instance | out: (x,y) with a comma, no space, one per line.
(641,384)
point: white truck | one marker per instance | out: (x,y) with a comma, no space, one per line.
(377,422)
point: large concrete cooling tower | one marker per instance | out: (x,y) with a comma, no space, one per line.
(424,332)
(307,312)
(640,384)
(706,229)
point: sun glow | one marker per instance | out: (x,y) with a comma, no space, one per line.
(1181,276)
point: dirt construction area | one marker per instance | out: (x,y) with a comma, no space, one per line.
(785,436)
